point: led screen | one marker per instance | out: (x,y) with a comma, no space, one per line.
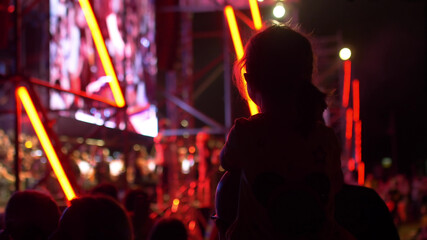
(128,30)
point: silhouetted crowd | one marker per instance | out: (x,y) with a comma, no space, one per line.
(99,215)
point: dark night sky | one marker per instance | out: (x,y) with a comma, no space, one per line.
(388,39)
(389,57)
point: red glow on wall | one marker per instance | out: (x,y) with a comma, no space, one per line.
(346,85)
(349,124)
(356,100)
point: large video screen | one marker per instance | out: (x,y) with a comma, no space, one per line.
(128,30)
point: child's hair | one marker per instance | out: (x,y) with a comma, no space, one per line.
(279,62)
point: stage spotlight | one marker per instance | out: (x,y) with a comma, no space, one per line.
(279,10)
(345,54)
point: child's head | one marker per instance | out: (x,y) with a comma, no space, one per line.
(278,61)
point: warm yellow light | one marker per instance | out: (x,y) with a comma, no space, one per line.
(238,46)
(175,204)
(23,95)
(234,30)
(102,51)
(345,54)
(356,100)
(279,10)
(253,108)
(256,16)
(28,144)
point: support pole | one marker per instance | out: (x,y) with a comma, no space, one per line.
(227,78)
(17,163)
(18,22)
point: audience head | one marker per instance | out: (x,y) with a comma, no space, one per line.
(105,189)
(93,218)
(169,228)
(134,197)
(279,65)
(31,215)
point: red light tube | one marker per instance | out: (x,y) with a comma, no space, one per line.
(102,51)
(28,104)
(356,100)
(346,85)
(351,165)
(358,140)
(349,124)
(361,173)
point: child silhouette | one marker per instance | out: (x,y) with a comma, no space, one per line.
(289,161)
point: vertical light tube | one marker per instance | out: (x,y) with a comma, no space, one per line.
(102,52)
(361,173)
(356,100)
(28,104)
(351,164)
(346,85)
(256,16)
(358,141)
(349,124)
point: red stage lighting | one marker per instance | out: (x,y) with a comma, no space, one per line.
(346,85)
(349,124)
(358,140)
(192,225)
(356,100)
(361,173)
(351,164)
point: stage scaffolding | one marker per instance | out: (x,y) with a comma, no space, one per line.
(179,90)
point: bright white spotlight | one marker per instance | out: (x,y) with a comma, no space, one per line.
(279,10)
(345,54)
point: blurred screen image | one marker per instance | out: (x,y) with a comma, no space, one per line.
(128,29)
